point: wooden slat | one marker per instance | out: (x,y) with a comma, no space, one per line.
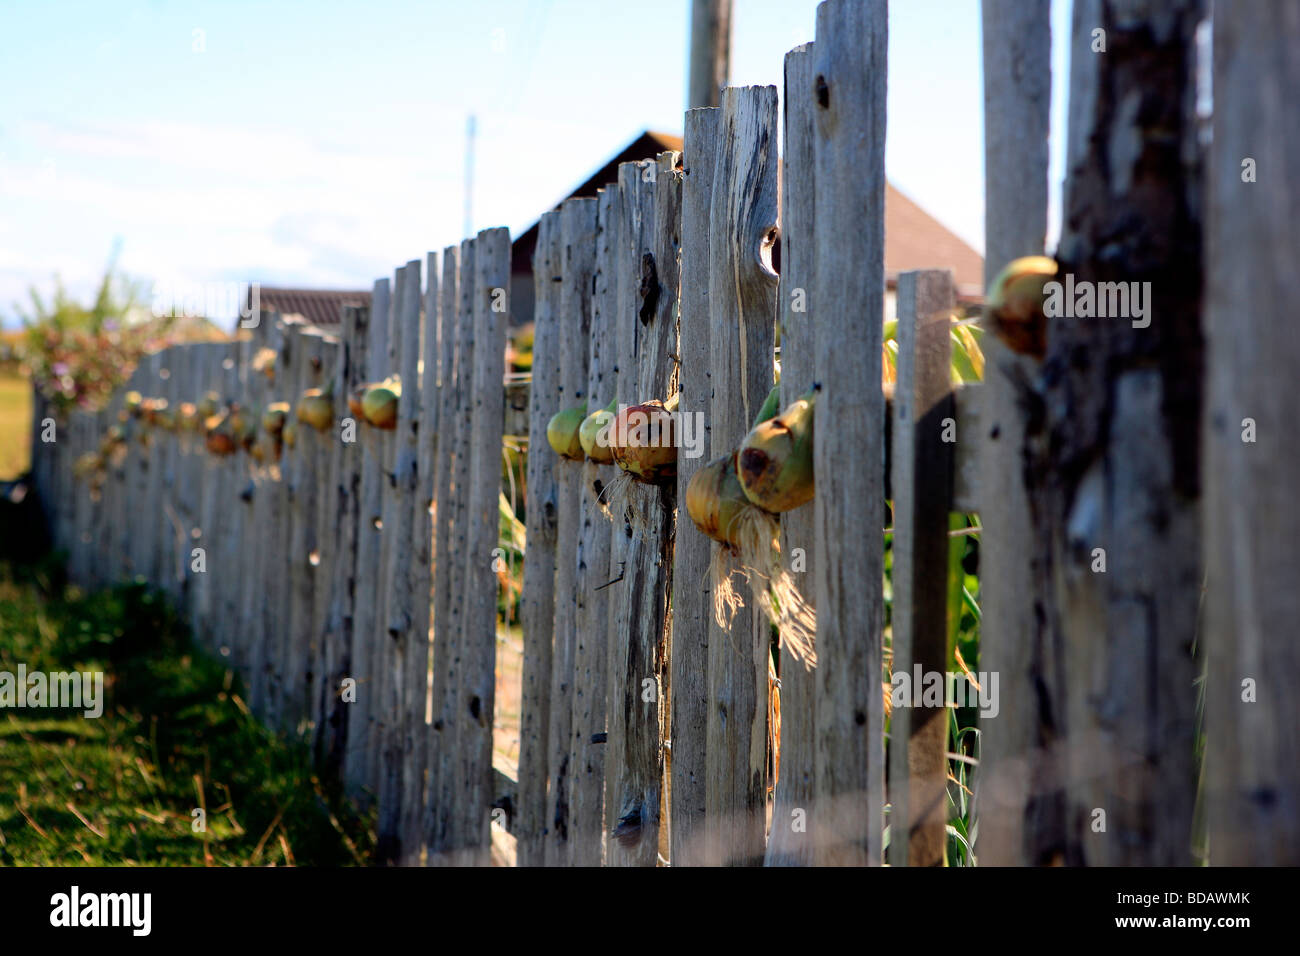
(291,371)
(587,755)
(692,603)
(921,482)
(742,321)
(148,518)
(791,841)
(445,553)
(443,766)
(365,625)
(476,687)
(400,531)
(165,565)
(847,295)
(269,507)
(577,247)
(394,528)
(537,601)
(1252,520)
(304,489)
(650,199)
(1017,92)
(341,717)
(259,393)
(1113,461)
(415,761)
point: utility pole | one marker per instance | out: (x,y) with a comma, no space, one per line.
(471,129)
(710,55)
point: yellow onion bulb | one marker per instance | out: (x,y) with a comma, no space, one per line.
(643,441)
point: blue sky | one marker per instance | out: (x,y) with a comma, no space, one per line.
(322,143)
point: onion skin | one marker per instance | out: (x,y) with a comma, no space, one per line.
(379,404)
(316,409)
(715,500)
(775,463)
(1014,310)
(354,401)
(273,419)
(594,445)
(220,437)
(643,440)
(562,432)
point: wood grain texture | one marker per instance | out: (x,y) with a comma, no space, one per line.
(537,600)
(847,295)
(587,754)
(1017,93)
(742,327)
(577,254)
(447,642)
(449,440)
(415,764)
(304,488)
(1252,775)
(392,529)
(365,620)
(400,528)
(340,716)
(791,842)
(641,545)
(692,594)
(472,785)
(922,464)
(1113,459)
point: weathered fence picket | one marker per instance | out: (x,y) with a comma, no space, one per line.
(692,607)
(537,600)
(790,842)
(1017,100)
(847,291)
(742,322)
(576,247)
(921,484)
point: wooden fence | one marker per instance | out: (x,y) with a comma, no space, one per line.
(352,584)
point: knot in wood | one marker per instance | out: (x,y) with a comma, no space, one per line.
(649,291)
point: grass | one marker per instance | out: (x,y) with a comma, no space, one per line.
(15,424)
(174,737)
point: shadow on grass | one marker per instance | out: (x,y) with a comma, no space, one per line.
(174,738)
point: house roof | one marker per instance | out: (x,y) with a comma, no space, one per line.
(914,239)
(320,307)
(646,146)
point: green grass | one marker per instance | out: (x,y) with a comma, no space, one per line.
(15,424)
(175,736)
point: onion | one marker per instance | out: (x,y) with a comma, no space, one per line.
(715,500)
(562,432)
(644,443)
(316,408)
(273,419)
(595,445)
(1014,310)
(379,403)
(775,462)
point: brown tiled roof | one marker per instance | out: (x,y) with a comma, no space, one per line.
(916,240)
(320,307)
